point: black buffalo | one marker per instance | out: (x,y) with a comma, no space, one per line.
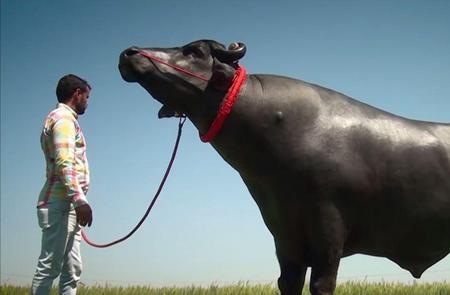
(332,176)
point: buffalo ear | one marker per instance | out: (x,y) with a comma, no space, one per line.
(222,75)
(235,52)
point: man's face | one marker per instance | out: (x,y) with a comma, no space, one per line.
(82,100)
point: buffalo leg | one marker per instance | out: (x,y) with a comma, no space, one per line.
(292,276)
(323,276)
(328,241)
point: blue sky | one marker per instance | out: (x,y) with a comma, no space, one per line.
(205,227)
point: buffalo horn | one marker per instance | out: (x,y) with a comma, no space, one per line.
(235,51)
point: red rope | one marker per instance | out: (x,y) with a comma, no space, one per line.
(180,69)
(227,105)
(166,174)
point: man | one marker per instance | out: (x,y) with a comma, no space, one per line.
(62,205)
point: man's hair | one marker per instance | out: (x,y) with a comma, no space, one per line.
(68,84)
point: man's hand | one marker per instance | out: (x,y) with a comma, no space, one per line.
(84,215)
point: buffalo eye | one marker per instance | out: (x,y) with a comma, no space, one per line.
(194,51)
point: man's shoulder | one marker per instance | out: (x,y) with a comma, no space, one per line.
(59,117)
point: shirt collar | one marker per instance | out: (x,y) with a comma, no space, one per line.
(64,106)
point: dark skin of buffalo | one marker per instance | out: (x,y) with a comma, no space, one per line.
(332,176)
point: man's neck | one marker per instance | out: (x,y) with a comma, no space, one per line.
(71,107)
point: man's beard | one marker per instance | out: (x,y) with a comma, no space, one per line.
(80,109)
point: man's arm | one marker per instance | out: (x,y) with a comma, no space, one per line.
(64,134)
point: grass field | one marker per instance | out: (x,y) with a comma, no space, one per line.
(246,289)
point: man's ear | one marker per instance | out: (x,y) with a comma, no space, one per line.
(222,75)
(74,97)
(76,94)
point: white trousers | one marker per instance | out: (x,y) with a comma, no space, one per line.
(60,251)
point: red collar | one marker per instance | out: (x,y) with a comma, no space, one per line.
(227,104)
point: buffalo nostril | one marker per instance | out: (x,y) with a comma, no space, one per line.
(131,51)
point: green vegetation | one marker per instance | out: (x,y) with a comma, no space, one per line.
(351,288)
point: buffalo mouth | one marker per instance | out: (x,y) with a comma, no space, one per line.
(127,74)
(130,72)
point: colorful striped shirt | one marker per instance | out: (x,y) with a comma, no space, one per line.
(64,147)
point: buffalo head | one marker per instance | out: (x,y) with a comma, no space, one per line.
(184,79)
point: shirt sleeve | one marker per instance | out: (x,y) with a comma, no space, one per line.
(64,135)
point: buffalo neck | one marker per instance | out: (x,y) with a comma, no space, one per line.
(261,116)
(216,106)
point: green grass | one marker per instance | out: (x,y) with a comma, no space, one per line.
(351,288)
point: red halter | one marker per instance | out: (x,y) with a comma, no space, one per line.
(179,69)
(227,104)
